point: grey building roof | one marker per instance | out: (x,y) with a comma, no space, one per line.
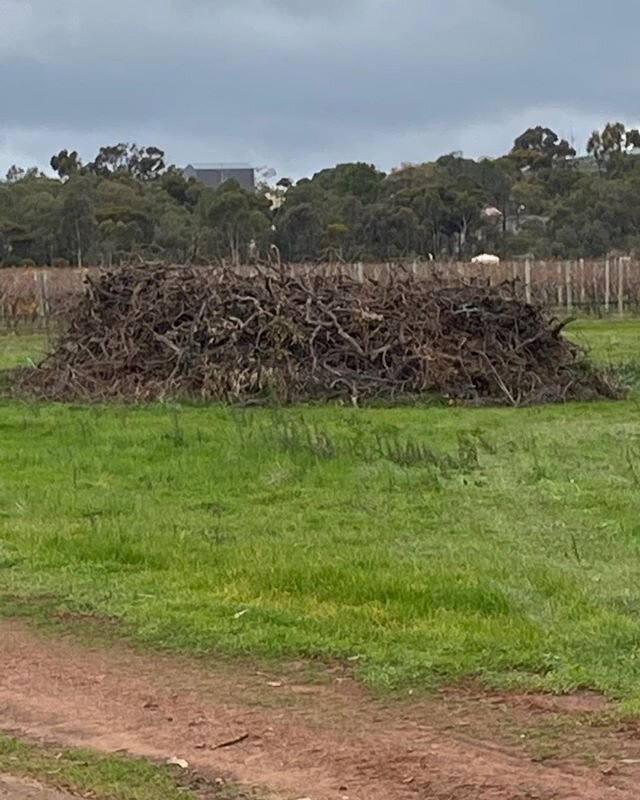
(214,175)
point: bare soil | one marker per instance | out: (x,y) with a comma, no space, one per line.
(324,740)
(16,789)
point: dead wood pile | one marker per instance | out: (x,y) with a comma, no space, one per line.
(148,332)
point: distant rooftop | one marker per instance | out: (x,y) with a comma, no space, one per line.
(221,166)
(214,175)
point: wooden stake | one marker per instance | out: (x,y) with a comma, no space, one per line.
(621,286)
(559,284)
(567,283)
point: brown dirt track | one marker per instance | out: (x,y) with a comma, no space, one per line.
(321,740)
(14,789)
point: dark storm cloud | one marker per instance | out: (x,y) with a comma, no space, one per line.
(301,83)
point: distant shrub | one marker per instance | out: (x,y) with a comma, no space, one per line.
(11,261)
(60,262)
(16,261)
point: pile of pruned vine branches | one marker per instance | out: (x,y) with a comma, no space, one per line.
(148,331)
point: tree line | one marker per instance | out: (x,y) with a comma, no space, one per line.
(539,200)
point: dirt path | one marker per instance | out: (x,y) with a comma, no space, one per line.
(323,742)
(15,789)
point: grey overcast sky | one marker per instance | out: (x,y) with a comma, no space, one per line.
(303,84)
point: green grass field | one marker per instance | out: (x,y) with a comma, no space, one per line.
(21,350)
(609,340)
(424,544)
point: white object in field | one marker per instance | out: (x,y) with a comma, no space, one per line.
(487,260)
(491,212)
(178,762)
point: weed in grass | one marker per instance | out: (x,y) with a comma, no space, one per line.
(176,435)
(214,533)
(298,438)
(540,469)
(409,453)
(575,549)
(633,457)
(306,443)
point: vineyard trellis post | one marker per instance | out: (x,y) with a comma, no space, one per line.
(568,284)
(559,284)
(621,286)
(527,280)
